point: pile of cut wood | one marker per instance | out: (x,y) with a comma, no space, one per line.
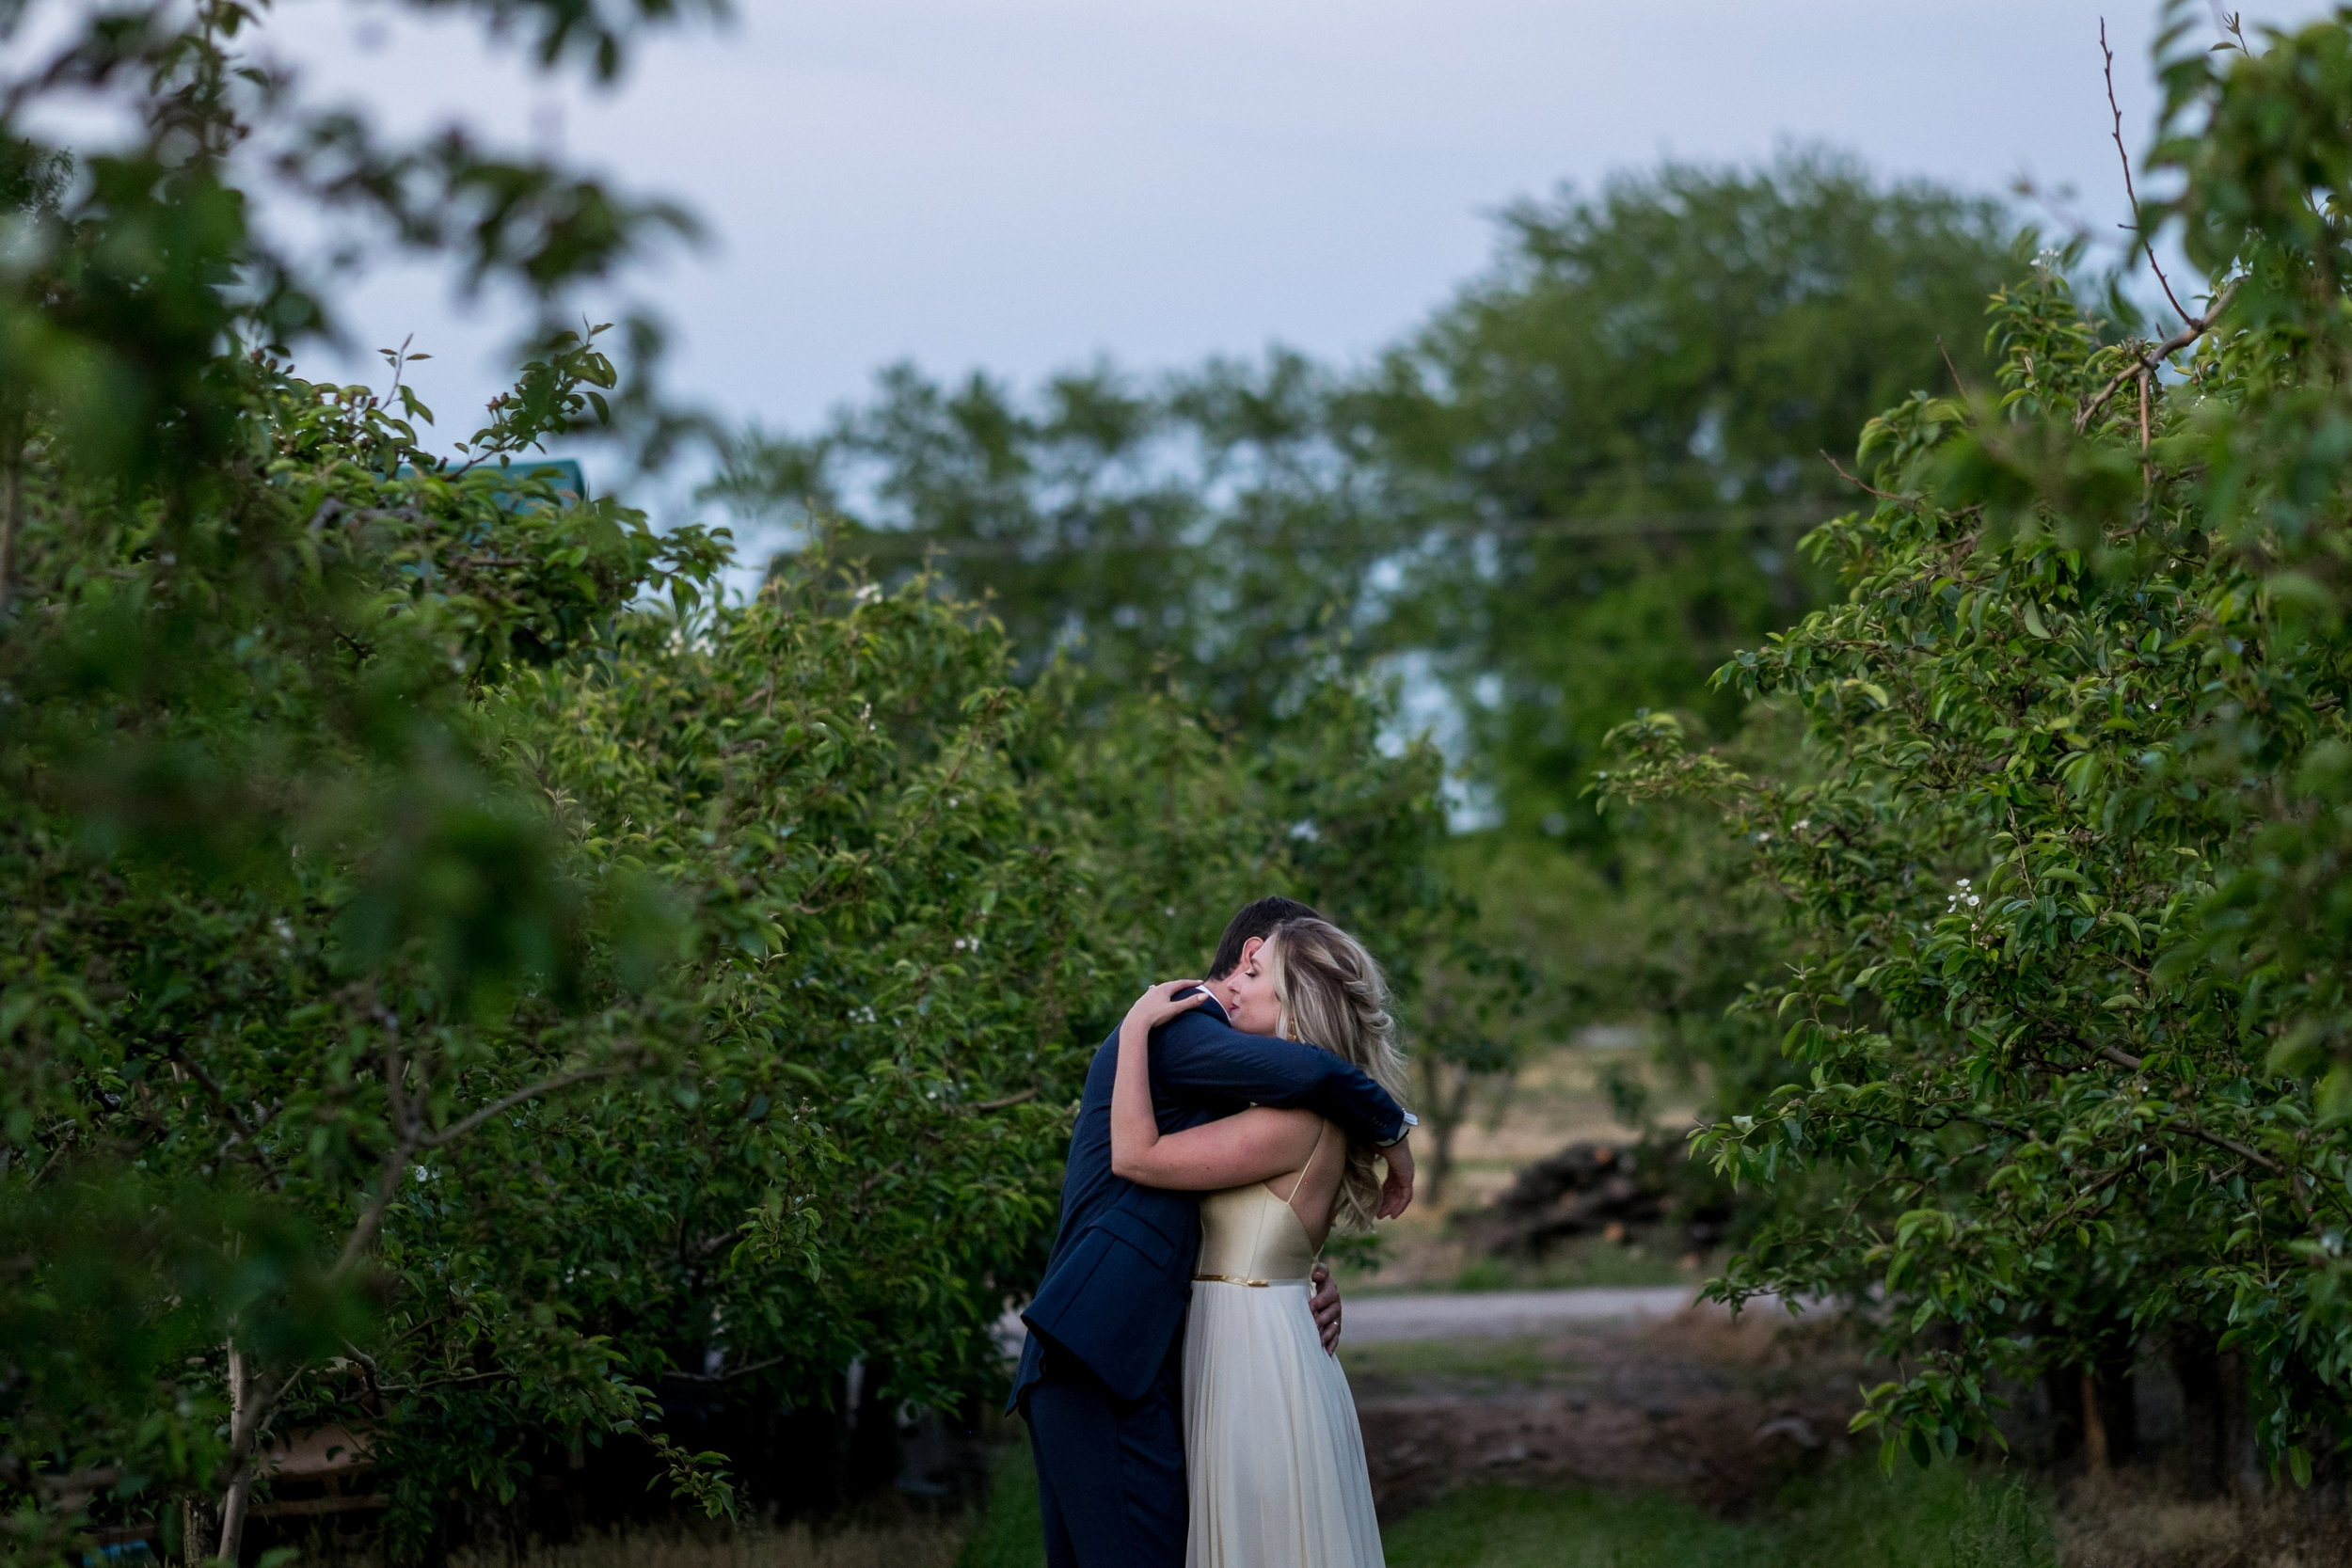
(1585,1189)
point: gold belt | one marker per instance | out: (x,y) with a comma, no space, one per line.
(1237,1279)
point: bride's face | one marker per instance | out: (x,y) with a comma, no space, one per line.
(1248,992)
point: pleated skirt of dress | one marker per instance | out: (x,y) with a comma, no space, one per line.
(1273,1455)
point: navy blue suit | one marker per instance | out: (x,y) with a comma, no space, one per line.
(1099,1380)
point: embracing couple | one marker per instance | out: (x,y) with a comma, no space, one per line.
(1226,1128)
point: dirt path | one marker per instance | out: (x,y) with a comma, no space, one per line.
(1612,1386)
(1504,1314)
(1471,1314)
(1617,1389)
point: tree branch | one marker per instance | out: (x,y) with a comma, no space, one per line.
(744,1371)
(458,1130)
(404,1135)
(413,1138)
(246,1132)
(211,1086)
(1859,484)
(371,1221)
(2189,1129)
(2129,195)
(2148,361)
(1958,385)
(252,1395)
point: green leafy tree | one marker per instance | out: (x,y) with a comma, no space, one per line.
(459,976)
(1616,435)
(2065,901)
(255,839)
(286,927)
(1211,541)
(1566,496)
(1211,525)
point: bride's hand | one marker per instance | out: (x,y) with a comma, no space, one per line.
(1158,1004)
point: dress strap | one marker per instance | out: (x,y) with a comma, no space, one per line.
(1320,1127)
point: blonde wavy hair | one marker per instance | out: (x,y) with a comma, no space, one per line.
(1333,994)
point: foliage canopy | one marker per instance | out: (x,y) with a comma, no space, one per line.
(463,978)
(2063,876)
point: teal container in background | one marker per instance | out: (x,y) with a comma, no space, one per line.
(562,475)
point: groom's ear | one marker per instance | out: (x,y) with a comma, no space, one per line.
(1248,951)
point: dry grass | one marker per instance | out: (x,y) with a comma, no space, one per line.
(2118,1524)
(902,1543)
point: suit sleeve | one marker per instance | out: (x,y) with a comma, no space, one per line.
(1196,1056)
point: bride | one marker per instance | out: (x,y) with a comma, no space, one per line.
(1274,1458)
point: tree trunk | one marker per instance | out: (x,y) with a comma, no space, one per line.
(2204,1415)
(251,1396)
(1440,1160)
(872,1457)
(2061,1392)
(2241,1456)
(2110,1414)
(2094,1425)
(1446,1097)
(11,505)
(197,1524)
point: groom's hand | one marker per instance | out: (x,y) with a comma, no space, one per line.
(1325,1305)
(1396,1193)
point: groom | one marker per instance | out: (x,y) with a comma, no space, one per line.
(1099,1380)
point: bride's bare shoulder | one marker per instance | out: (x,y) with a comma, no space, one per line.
(1293,1124)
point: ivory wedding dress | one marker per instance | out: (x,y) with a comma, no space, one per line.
(1273,1456)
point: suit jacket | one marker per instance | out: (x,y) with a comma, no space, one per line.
(1121,1273)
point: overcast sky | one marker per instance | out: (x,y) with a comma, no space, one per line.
(1025,184)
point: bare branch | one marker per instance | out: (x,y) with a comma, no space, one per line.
(1960,385)
(65,1141)
(395,1075)
(1010,1099)
(1857,484)
(2129,195)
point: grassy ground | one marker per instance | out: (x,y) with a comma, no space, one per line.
(1465,1369)
(1854,1518)
(915,1542)
(1007,1534)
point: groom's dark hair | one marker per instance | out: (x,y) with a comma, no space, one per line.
(1255,920)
